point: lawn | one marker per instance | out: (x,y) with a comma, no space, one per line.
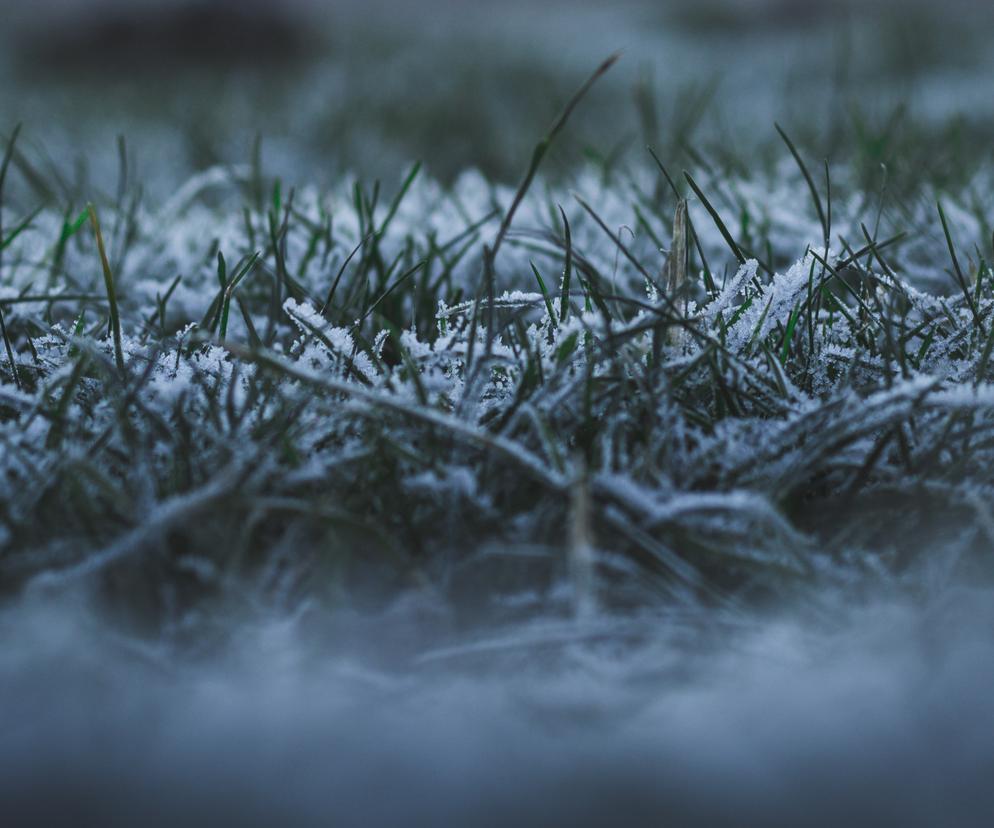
(545,414)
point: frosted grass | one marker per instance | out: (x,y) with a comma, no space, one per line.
(357,537)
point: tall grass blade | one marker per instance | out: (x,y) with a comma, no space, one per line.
(115,318)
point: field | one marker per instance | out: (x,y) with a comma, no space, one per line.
(447,414)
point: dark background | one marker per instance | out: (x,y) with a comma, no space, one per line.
(368,86)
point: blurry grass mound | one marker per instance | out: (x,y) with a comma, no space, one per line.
(193,83)
(145,38)
(757,380)
(368,86)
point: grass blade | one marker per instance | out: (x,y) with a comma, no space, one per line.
(958,272)
(545,293)
(811,184)
(8,347)
(716,217)
(567,269)
(115,318)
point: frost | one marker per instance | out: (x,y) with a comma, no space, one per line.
(387,405)
(773,304)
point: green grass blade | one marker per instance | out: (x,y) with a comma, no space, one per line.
(115,318)
(958,272)
(8,347)
(567,269)
(545,293)
(811,184)
(716,218)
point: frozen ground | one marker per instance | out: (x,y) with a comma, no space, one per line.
(478,696)
(317,511)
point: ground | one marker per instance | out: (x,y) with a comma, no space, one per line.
(538,413)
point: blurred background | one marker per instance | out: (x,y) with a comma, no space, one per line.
(369,85)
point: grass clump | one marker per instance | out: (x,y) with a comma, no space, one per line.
(759,385)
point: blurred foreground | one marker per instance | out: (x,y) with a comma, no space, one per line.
(655,720)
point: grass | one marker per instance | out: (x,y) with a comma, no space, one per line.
(749,387)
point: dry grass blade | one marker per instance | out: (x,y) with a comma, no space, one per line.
(676,263)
